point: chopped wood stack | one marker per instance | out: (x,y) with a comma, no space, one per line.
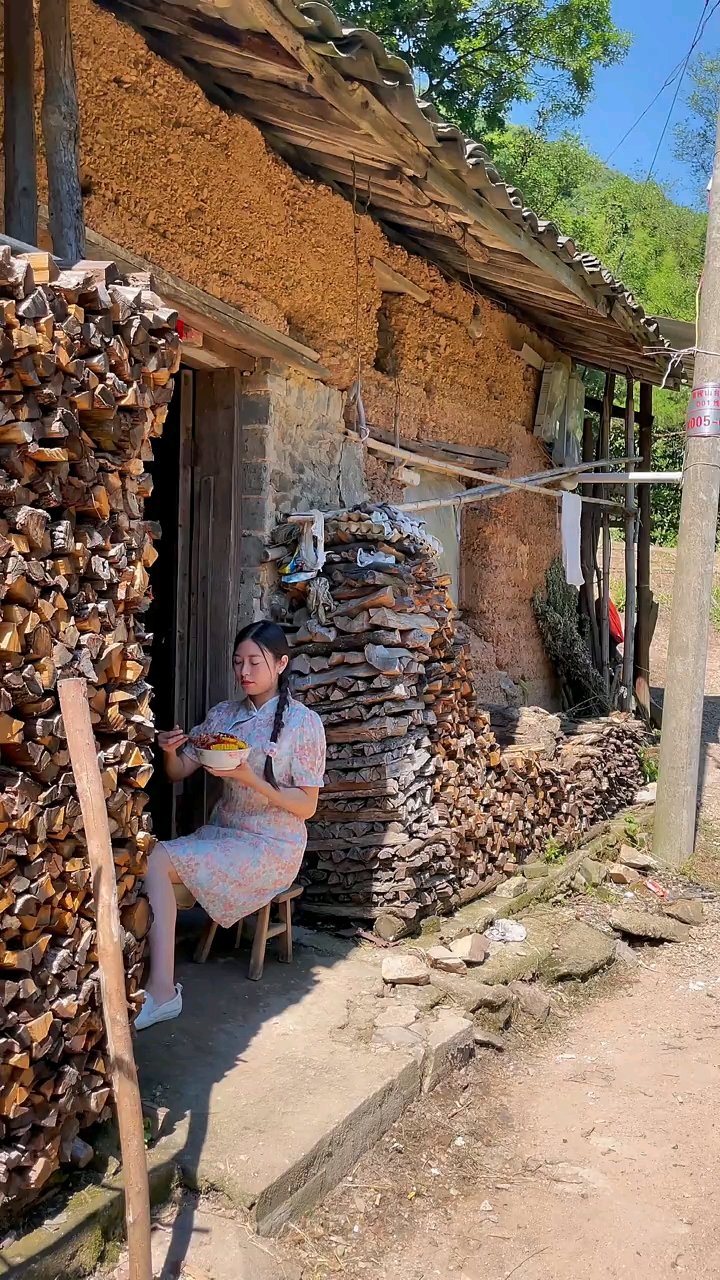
(422,810)
(86,378)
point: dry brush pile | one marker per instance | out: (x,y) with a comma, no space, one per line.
(87,363)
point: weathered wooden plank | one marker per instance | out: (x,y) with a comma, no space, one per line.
(61,131)
(20,195)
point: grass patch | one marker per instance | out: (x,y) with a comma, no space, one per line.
(554,851)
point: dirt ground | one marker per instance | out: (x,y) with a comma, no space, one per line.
(587,1149)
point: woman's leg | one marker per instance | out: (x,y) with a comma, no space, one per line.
(159,880)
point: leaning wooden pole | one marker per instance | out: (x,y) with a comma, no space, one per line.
(61,132)
(20,198)
(630,565)
(643,632)
(83,758)
(604,450)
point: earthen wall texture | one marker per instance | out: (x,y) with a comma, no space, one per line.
(173,178)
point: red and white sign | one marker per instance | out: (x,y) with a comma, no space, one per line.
(703,415)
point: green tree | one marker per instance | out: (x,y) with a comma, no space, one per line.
(475,58)
(653,244)
(695,137)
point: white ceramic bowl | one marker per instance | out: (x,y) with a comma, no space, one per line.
(224,761)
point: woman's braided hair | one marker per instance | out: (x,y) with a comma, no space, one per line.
(272,640)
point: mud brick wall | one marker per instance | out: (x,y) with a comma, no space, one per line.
(229,216)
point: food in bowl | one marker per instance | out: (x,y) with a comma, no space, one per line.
(221,751)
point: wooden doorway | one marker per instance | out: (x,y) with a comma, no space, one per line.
(195,580)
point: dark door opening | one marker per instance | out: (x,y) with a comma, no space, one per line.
(167,615)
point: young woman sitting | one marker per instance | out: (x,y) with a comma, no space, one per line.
(253,844)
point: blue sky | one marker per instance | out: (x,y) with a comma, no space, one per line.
(662,32)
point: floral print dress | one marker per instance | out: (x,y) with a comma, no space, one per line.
(250,849)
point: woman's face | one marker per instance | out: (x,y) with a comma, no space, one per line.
(256,670)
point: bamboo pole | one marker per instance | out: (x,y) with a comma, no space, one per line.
(605,419)
(588,545)
(645,599)
(83,757)
(630,565)
(500,488)
(61,131)
(19,121)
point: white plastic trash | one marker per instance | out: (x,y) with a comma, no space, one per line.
(506,931)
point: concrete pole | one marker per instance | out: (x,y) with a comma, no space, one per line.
(675,814)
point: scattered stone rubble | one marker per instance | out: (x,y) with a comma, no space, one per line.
(489,969)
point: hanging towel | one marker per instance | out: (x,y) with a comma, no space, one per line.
(570,534)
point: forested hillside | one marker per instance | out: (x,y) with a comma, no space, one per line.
(653,244)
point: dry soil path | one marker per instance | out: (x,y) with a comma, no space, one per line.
(588,1153)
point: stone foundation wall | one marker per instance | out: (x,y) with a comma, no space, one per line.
(295,457)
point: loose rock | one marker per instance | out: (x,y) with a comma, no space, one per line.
(405,968)
(532,1001)
(535,870)
(580,952)
(512,888)
(656,928)
(472,949)
(592,872)
(686,910)
(622,874)
(442,958)
(637,858)
(489,1040)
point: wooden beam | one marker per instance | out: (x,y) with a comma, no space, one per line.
(19,121)
(391,281)
(630,565)
(644,594)
(606,406)
(61,131)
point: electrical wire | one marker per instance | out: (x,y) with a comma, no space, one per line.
(678,70)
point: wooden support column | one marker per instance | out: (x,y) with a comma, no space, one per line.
(589,524)
(19,121)
(61,132)
(630,566)
(604,450)
(643,633)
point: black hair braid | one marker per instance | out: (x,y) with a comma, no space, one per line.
(283,699)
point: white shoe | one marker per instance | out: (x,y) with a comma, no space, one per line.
(152,1012)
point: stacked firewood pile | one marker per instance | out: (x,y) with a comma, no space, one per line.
(422,808)
(87,364)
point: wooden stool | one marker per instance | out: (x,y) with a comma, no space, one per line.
(264,930)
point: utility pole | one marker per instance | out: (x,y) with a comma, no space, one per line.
(675,813)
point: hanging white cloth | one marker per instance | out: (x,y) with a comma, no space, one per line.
(570,535)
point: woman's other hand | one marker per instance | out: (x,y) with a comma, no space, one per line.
(243,774)
(171,740)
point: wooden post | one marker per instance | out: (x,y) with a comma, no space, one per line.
(83,757)
(19,122)
(643,635)
(61,131)
(588,547)
(630,580)
(604,450)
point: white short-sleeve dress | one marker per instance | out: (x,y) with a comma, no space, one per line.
(250,849)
